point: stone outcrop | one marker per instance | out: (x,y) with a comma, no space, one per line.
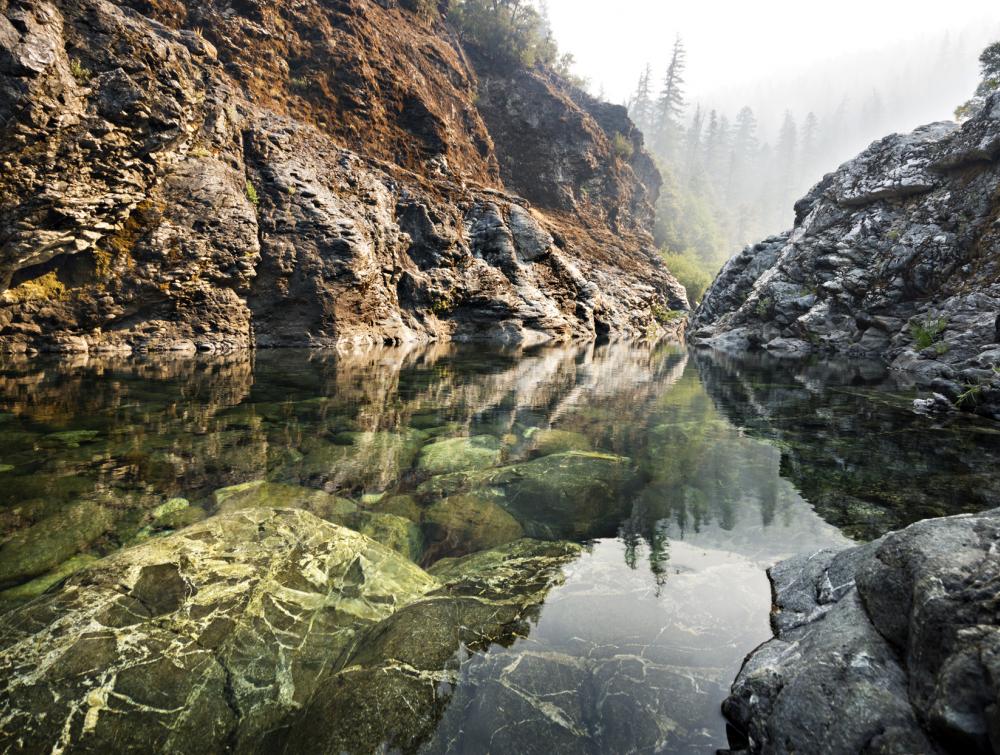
(258,630)
(191,176)
(893,255)
(889,647)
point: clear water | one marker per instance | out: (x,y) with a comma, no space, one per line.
(733,466)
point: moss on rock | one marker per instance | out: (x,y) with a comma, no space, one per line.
(462,524)
(460,455)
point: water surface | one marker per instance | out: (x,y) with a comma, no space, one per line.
(719,468)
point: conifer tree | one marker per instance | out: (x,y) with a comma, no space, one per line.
(670,106)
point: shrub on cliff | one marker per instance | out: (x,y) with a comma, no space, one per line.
(989,63)
(509,33)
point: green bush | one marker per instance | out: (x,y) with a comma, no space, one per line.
(691,272)
(507,32)
(252,196)
(623,146)
(80,72)
(927,333)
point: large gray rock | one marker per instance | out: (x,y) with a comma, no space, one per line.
(890,647)
(893,255)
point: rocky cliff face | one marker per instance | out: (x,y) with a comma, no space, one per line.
(211,176)
(896,255)
(890,647)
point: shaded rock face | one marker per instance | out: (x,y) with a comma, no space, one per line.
(255,631)
(889,647)
(893,255)
(296,178)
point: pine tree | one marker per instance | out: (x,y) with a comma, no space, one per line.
(640,105)
(692,152)
(810,138)
(787,155)
(670,106)
(743,154)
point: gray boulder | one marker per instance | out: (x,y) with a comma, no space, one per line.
(889,647)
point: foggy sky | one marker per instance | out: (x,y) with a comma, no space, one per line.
(742,46)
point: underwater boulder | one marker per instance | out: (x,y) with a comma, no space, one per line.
(372,461)
(199,641)
(395,532)
(276,495)
(397,683)
(43,546)
(566,496)
(463,524)
(547,442)
(460,455)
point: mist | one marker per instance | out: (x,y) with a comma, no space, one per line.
(766,99)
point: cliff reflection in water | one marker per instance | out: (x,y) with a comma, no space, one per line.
(683,475)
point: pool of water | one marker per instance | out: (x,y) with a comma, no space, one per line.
(683,475)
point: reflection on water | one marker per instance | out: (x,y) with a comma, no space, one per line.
(684,476)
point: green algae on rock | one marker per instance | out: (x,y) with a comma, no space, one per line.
(276,495)
(43,546)
(397,683)
(572,495)
(460,455)
(184,640)
(462,524)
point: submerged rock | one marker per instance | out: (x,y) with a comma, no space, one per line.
(395,532)
(462,524)
(276,495)
(204,640)
(372,461)
(890,647)
(460,455)
(545,442)
(397,683)
(43,546)
(573,495)
(402,505)
(40,585)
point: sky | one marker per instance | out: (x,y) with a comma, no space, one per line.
(732,43)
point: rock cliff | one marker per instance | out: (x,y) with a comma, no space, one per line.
(893,255)
(890,647)
(179,175)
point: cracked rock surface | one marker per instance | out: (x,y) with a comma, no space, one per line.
(254,629)
(890,647)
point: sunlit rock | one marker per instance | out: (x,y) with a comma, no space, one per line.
(199,641)
(460,455)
